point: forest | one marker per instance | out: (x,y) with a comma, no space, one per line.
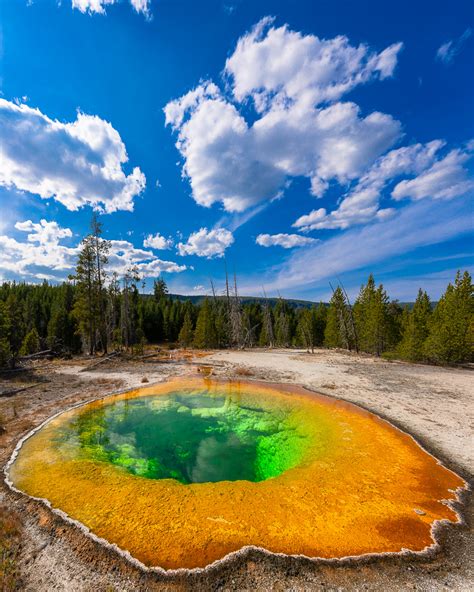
(95,311)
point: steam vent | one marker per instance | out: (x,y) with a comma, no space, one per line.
(183,473)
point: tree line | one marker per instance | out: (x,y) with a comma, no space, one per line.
(97,311)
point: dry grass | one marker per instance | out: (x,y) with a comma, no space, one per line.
(10,535)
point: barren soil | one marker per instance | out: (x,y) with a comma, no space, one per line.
(433,404)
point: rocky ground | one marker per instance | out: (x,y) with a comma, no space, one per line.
(40,552)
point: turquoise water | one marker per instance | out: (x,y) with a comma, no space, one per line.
(189,437)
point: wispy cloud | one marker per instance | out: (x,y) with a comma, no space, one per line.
(449,50)
(287,241)
(417,225)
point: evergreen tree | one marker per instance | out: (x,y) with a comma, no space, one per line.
(319,314)
(415,328)
(338,331)
(311,326)
(160,289)
(86,310)
(282,329)
(90,304)
(131,317)
(186,333)
(5,352)
(62,327)
(267,335)
(372,318)
(205,334)
(101,250)
(16,314)
(451,328)
(31,343)
(305,329)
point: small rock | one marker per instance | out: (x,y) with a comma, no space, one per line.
(145,379)
(419,512)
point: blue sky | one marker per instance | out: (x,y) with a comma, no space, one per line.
(299,142)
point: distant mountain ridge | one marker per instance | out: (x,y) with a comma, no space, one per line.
(293,302)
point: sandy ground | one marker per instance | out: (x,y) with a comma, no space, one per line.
(433,404)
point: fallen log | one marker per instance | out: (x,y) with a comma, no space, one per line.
(101,361)
(12,392)
(46,352)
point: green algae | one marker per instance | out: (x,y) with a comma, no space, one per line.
(192,437)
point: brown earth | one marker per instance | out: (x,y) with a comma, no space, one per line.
(40,552)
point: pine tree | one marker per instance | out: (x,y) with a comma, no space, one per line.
(131,319)
(5,352)
(311,326)
(319,314)
(282,329)
(160,289)
(267,336)
(415,328)
(186,333)
(31,343)
(338,326)
(372,318)
(101,249)
(86,306)
(205,334)
(16,314)
(305,329)
(451,327)
(90,304)
(62,327)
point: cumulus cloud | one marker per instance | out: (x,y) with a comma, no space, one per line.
(99,6)
(157,241)
(273,65)
(43,233)
(449,50)
(43,256)
(294,82)
(79,163)
(207,243)
(287,241)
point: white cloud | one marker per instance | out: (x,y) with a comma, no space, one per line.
(157,241)
(142,6)
(362,203)
(273,65)
(78,163)
(445,179)
(417,225)
(43,256)
(207,243)
(287,241)
(449,50)
(44,233)
(300,131)
(124,255)
(99,6)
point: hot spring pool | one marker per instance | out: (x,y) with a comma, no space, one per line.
(183,473)
(193,437)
